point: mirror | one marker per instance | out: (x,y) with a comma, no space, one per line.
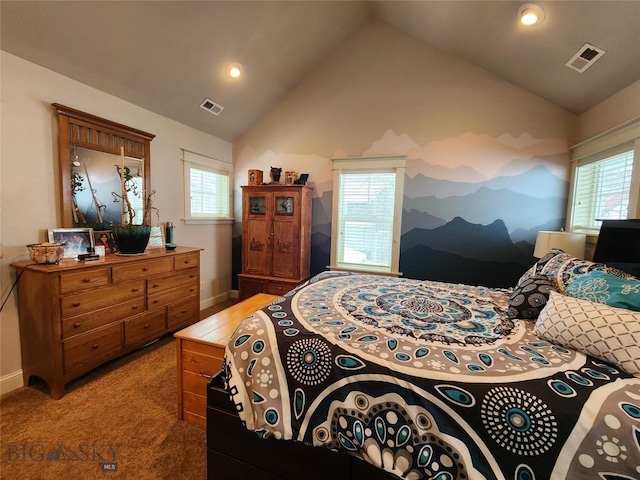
(93,153)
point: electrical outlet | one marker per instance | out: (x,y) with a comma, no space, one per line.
(201,285)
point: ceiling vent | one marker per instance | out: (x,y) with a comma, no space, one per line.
(211,106)
(585,57)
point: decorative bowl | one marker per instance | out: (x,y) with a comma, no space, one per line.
(46,253)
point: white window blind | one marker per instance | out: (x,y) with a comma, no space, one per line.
(602,191)
(209,193)
(366,218)
(207,189)
(367,210)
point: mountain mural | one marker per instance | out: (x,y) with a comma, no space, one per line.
(537,182)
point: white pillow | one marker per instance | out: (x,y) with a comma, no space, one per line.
(608,333)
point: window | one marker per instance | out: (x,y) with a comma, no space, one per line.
(367,210)
(207,188)
(603,186)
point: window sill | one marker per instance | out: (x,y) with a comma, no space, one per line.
(361,269)
(208,221)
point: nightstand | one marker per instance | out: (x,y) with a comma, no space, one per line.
(200,350)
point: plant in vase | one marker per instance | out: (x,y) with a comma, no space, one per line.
(132,236)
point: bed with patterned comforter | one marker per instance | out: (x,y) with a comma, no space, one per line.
(429,380)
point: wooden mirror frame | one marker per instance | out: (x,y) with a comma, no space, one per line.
(80,129)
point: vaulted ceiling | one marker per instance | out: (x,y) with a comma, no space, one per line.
(168,56)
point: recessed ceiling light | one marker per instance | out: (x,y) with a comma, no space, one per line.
(234,70)
(530,14)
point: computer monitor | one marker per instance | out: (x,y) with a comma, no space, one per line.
(618,245)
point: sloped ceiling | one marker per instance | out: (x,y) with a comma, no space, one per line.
(168,56)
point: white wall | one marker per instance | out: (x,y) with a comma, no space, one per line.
(29,197)
(615,110)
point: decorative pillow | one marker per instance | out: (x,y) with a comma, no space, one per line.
(601,287)
(562,268)
(608,333)
(529,297)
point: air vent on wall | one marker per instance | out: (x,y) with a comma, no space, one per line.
(211,106)
(585,57)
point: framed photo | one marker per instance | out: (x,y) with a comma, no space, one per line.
(104,238)
(156,239)
(77,240)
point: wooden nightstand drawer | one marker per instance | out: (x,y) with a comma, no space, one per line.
(141,269)
(143,327)
(79,303)
(83,323)
(71,282)
(201,364)
(187,261)
(84,351)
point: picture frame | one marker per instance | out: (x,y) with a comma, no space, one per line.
(104,238)
(77,240)
(156,238)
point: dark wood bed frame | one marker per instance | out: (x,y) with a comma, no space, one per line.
(233,452)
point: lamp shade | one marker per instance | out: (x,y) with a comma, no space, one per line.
(568,242)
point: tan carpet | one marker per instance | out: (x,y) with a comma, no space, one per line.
(125,414)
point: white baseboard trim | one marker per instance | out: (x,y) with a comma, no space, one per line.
(11,381)
(211,301)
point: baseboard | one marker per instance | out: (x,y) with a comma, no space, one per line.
(211,301)
(11,381)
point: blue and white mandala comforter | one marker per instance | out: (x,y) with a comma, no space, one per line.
(429,380)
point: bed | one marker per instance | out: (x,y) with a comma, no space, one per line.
(364,376)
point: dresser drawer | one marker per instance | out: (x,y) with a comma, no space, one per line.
(71,282)
(181,313)
(167,282)
(83,323)
(85,351)
(80,303)
(143,327)
(276,288)
(173,295)
(187,261)
(141,269)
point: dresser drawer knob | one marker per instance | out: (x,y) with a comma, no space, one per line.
(134,307)
(183,311)
(134,290)
(155,285)
(86,280)
(77,325)
(155,301)
(145,269)
(95,346)
(145,326)
(76,304)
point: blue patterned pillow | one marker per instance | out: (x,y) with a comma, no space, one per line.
(602,287)
(529,297)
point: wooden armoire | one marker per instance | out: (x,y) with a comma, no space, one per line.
(276,238)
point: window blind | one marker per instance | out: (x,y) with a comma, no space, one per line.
(209,193)
(366,216)
(602,191)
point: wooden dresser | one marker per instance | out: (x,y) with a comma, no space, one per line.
(200,349)
(74,316)
(276,238)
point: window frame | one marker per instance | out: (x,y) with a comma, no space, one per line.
(365,165)
(610,143)
(193,160)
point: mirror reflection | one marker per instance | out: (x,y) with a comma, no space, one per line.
(97,186)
